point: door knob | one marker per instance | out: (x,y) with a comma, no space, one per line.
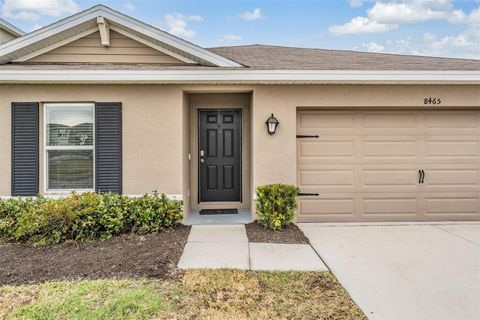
(202,161)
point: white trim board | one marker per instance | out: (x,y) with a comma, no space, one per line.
(235,76)
(9,51)
(10,28)
(56,45)
(152,45)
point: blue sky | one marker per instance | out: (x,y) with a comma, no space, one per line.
(448,28)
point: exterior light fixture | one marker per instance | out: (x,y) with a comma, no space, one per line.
(272,124)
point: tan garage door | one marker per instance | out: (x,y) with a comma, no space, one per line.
(365,165)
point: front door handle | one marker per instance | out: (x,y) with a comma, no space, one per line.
(423,176)
(202,161)
(419,176)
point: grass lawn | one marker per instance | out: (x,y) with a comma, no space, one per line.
(198,294)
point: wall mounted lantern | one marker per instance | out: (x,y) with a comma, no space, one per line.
(272,124)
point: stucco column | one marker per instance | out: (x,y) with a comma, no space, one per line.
(273,156)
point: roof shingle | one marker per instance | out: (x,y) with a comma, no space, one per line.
(289,58)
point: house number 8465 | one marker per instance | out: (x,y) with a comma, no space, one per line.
(432,101)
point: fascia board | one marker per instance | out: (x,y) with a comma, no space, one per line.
(256,76)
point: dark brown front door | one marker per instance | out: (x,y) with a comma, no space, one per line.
(220,155)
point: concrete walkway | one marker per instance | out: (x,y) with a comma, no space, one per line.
(401,271)
(227,246)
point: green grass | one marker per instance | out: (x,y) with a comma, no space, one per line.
(198,294)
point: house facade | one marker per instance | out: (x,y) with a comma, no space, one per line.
(101,101)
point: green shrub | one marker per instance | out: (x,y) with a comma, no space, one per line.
(10,210)
(49,221)
(276,204)
(152,213)
(85,217)
(101,216)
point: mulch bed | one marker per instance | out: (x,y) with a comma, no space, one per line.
(126,256)
(290,234)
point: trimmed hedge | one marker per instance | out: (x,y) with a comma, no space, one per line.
(85,217)
(276,204)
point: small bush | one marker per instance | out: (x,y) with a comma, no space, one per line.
(85,217)
(276,204)
(149,216)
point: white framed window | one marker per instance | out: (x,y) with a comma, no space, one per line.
(69,135)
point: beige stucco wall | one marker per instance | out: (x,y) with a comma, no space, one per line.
(155,130)
(152,130)
(275,156)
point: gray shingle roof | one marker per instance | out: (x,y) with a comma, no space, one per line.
(264,57)
(278,58)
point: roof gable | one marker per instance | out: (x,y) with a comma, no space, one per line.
(89,49)
(99,18)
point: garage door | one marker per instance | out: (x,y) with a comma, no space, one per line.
(389,165)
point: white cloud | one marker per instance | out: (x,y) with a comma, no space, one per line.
(387,15)
(410,11)
(177,24)
(457,16)
(256,14)
(34,9)
(356,3)
(372,47)
(230,38)
(129,6)
(472,17)
(361,25)
(429,37)
(465,44)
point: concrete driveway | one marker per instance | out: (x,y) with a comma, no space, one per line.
(416,271)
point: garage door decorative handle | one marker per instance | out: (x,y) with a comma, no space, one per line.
(306,194)
(421,176)
(301,136)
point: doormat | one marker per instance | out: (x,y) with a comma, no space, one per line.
(205,212)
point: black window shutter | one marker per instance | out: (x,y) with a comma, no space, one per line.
(108,147)
(25,148)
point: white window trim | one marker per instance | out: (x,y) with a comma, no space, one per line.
(47,148)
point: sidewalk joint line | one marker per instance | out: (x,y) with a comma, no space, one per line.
(456,235)
(318,255)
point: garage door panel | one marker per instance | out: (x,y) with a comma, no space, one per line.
(389,120)
(451,205)
(368,170)
(390,205)
(327,177)
(328,206)
(327,119)
(327,149)
(390,177)
(450,177)
(451,149)
(378,148)
(452,119)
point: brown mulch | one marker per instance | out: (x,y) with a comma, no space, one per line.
(290,234)
(126,256)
